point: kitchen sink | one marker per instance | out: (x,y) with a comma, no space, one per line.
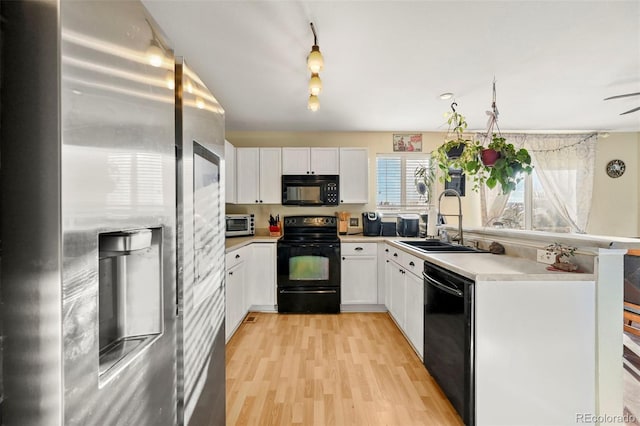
(440,247)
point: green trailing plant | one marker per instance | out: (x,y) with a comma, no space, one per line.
(507,171)
(423,179)
(468,160)
(510,167)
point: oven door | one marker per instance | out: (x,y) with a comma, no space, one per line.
(308,277)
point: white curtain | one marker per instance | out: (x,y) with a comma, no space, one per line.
(565,165)
(493,201)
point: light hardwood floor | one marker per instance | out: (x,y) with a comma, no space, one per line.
(344,369)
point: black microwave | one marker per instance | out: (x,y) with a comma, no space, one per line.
(310,190)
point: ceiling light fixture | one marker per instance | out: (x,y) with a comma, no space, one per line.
(315,84)
(155,52)
(445,96)
(315,62)
(314,103)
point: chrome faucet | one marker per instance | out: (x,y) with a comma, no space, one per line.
(459,215)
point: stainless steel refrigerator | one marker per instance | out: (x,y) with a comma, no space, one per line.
(89,267)
(201,228)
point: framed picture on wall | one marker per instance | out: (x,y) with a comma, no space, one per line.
(407,142)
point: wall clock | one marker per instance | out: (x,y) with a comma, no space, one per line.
(615,168)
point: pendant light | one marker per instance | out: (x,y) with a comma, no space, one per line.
(314,103)
(315,84)
(315,62)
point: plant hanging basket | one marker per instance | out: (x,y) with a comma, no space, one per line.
(455,152)
(489,157)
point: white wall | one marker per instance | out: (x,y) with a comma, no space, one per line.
(615,211)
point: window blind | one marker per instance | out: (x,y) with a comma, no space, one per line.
(395,182)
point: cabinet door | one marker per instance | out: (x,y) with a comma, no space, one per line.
(414,311)
(295,161)
(388,274)
(354,175)
(262,280)
(247,175)
(234,298)
(325,161)
(398,294)
(229,173)
(359,280)
(270,175)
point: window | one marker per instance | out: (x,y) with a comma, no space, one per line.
(395,183)
(529,207)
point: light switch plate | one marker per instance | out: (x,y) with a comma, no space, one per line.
(546,257)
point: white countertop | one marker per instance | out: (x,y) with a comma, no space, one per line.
(494,267)
(477,266)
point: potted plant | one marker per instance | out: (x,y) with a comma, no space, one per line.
(423,179)
(509,165)
(457,152)
(561,251)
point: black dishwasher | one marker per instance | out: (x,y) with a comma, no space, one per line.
(448,336)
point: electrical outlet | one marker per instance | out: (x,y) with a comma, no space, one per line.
(544,256)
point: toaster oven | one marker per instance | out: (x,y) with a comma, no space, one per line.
(239,224)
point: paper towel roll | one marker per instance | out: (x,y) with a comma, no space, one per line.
(432,221)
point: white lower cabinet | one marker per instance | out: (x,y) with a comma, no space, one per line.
(359,273)
(234,297)
(250,283)
(404,294)
(414,311)
(261,284)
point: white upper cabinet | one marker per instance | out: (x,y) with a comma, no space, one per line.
(310,161)
(354,175)
(325,161)
(258,175)
(230,172)
(271,175)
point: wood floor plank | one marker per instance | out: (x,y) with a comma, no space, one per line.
(344,369)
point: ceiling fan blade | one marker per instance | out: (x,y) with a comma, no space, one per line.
(631,110)
(626,95)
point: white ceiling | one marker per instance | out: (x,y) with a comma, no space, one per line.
(387,62)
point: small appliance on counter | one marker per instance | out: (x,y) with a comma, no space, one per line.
(408,225)
(372,224)
(354,227)
(239,225)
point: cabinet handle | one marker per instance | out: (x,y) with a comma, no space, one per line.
(387,260)
(343,258)
(386,250)
(312,172)
(260,200)
(412,264)
(256,201)
(358,249)
(231,273)
(307,171)
(395,254)
(237,256)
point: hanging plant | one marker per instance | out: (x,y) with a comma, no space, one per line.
(490,162)
(457,152)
